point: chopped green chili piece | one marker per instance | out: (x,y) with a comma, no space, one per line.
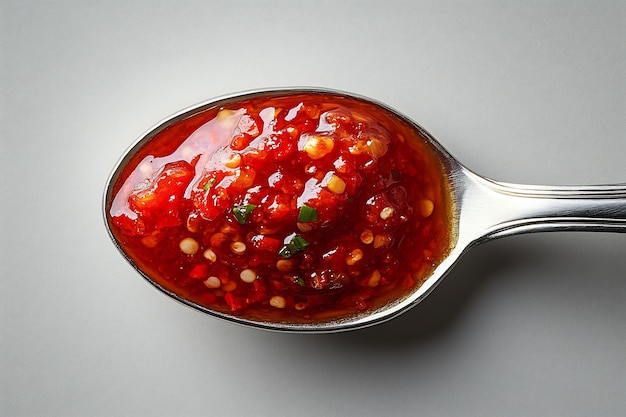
(307,214)
(241,213)
(208,184)
(296,244)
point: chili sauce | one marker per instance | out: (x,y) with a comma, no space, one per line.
(300,208)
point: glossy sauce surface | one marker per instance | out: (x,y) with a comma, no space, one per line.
(297,208)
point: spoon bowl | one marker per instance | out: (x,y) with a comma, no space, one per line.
(479,209)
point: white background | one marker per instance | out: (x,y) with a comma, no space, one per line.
(529,92)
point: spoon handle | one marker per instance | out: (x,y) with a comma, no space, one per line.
(502,209)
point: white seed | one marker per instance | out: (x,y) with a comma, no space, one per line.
(381,241)
(277,301)
(212,282)
(210,255)
(386,213)
(354,256)
(238,247)
(189,246)
(284,265)
(247,275)
(367,236)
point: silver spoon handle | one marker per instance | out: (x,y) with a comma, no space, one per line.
(507,209)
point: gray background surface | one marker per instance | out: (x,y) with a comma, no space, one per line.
(529,92)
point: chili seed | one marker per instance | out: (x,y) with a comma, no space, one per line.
(212,282)
(386,213)
(367,236)
(238,248)
(354,256)
(381,241)
(278,301)
(284,265)
(247,275)
(189,246)
(210,255)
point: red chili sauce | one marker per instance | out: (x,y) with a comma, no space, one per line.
(296,208)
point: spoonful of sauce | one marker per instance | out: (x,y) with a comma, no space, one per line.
(315,210)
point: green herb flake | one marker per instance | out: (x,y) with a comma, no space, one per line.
(208,184)
(295,245)
(285,252)
(242,212)
(307,214)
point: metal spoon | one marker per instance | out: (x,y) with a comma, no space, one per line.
(483,210)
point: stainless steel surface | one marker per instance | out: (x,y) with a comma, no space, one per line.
(482,210)
(491,209)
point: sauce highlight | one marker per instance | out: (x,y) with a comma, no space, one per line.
(297,208)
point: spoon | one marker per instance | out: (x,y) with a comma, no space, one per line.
(480,210)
